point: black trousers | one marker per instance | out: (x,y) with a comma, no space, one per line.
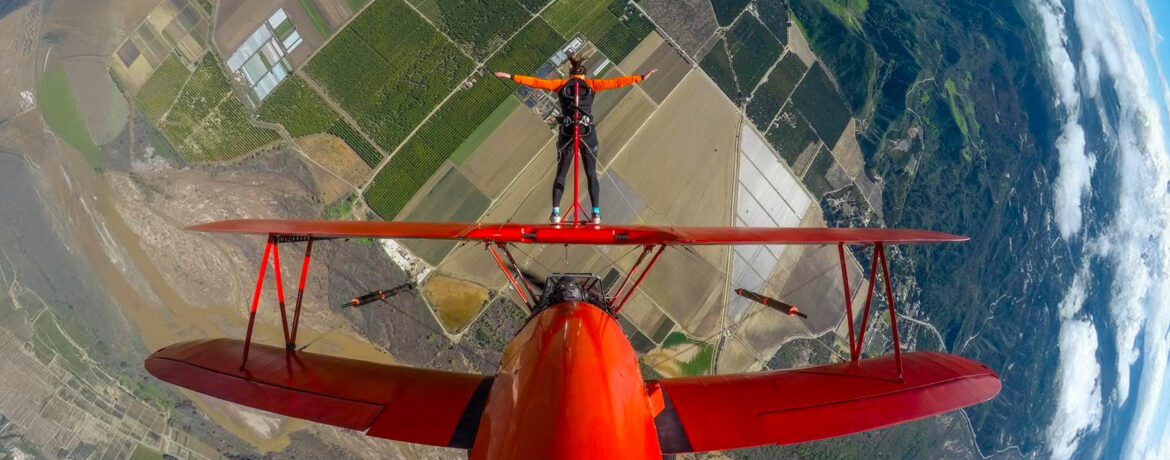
(565,162)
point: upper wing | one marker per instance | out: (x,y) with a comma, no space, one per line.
(568,234)
(782,407)
(402,403)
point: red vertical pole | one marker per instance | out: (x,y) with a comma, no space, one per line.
(576,151)
(639,281)
(848,301)
(868,301)
(279,290)
(256,300)
(292,342)
(881,250)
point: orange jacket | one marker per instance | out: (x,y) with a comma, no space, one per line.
(598,84)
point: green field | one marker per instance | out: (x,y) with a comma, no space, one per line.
(477,26)
(298,108)
(316,17)
(726,10)
(484,130)
(717,64)
(160,90)
(701,363)
(533,6)
(753,50)
(389,69)
(818,100)
(601,22)
(60,111)
(359,144)
(774,15)
(202,93)
(790,135)
(814,179)
(433,144)
(453,199)
(531,47)
(771,95)
(226,134)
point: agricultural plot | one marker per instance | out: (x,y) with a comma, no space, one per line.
(202,93)
(528,50)
(478,27)
(225,135)
(613,26)
(160,90)
(820,103)
(452,199)
(682,356)
(717,64)
(815,178)
(303,112)
(296,106)
(424,153)
(753,50)
(727,10)
(775,16)
(533,6)
(790,134)
(61,113)
(771,95)
(389,69)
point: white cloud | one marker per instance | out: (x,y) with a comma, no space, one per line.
(1076,167)
(1137,242)
(1078,403)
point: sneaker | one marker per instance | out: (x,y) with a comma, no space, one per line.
(596,220)
(555,217)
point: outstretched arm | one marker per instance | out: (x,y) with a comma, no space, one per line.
(539,83)
(602,84)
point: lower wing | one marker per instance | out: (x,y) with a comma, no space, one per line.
(720,412)
(395,402)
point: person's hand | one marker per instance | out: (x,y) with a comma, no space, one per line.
(504,75)
(648,74)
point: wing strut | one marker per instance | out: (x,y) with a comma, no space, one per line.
(638,282)
(508,272)
(272,247)
(857,344)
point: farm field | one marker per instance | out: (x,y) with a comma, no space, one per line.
(753,50)
(62,114)
(389,100)
(691,23)
(601,22)
(508,147)
(408,169)
(822,106)
(477,27)
(303,112)
(773,93)
(790,134)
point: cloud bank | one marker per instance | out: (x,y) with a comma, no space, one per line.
(1136,243)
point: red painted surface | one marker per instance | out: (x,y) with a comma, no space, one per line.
(404,403)
(568,387)
(798,405)
(584,234)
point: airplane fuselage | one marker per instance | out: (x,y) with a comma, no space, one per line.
(568,386)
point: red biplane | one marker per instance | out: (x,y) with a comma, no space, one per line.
(569,384)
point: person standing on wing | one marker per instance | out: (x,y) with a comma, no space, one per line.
(576,97)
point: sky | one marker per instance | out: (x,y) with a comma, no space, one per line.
(1094,48)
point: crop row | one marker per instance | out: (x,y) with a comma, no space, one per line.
(160,90)
(202,93)
(717,64)
(775,16)
(226,134)
(302,112)
(613,25)
(753,50)
(477,26)
(774,91)
(389,69)
(531,47)
(410,168)
(817,98)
